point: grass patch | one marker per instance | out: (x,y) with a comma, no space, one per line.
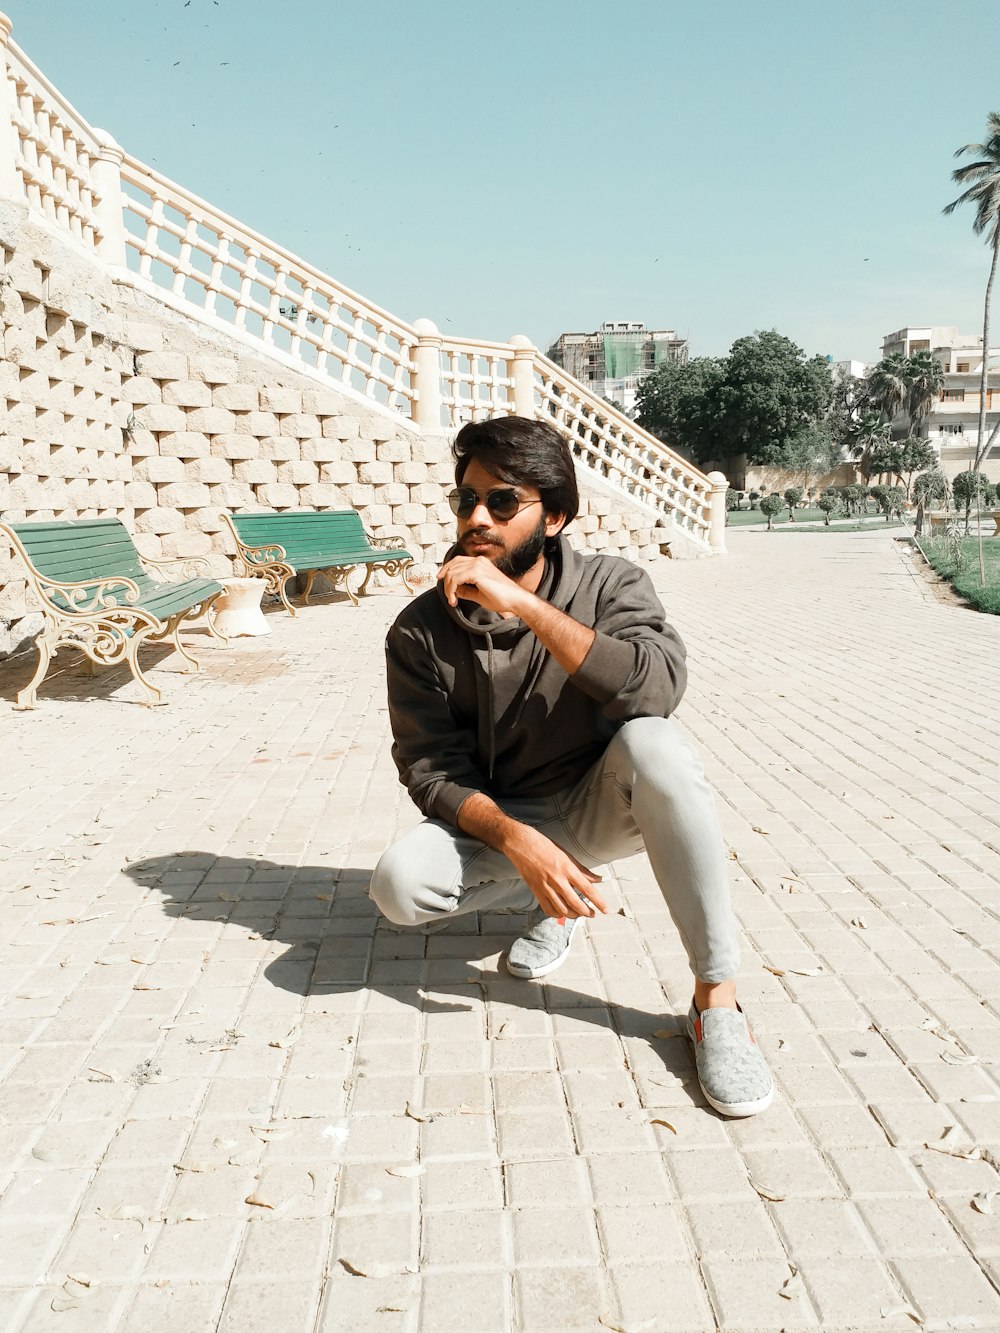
(872,525)
(958,562)
(747,518)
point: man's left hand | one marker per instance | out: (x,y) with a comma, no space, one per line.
(477,579)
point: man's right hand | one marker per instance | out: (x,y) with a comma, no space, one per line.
(562,886)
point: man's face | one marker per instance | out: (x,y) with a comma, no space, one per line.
(515,544)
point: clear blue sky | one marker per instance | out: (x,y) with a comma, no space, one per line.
(714,166)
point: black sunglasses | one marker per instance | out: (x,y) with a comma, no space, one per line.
(502,503)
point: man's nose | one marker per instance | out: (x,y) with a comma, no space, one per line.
(481,516)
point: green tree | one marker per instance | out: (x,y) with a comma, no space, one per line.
(916,455)
(811,451)
(969,488)
(769,506)
(792,496)
(928,489)
(889,385)
(767,392)
(679,404)
(885,459)
(925,379)
(855,497)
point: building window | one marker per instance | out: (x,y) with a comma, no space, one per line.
(952,429)
(963,367)
(921,345)
(953,395)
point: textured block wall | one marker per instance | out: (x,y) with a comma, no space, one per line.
(112,403)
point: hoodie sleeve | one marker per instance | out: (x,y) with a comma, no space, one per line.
(434,753)
(635,666)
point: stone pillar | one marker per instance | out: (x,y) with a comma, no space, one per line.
(426,377)
(523,375)
(10,182)
(717,512)
(108,180)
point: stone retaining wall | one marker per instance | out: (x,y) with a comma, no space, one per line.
(115,404)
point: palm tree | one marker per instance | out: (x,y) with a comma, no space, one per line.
(889,384)
(925,380)
(982,179)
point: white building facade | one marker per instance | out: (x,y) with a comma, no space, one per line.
(952,425)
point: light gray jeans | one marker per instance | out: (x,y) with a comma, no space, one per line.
(648,791)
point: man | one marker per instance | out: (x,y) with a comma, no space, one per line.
(530,695)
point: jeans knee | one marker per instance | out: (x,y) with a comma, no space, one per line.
(392,887)
(654,746)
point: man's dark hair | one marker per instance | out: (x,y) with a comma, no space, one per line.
(522,452)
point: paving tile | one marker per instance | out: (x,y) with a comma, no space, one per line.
(564,1299)
(949,1287)
(667,1296)
(746,1295)
(478,1302)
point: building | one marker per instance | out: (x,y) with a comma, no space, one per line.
(613,360)
(952,425)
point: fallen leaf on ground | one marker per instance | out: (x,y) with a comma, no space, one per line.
(666,1034)
(859,921)
(105,1075)
(792,1285)
(140,986)
(765,1191)
(619,1326)
(806,971)
(45,1154)
(81,1279)
(172,1218)
(257,1202)
(368,1270)
(983,1202)
(949,1144)
(959,1058)
(760,830)
(414,1114)
(665,1123)
(288,1040)
(890,1312)
(62,1303)
(498,1035)
(415,1169)
(775,971)
(271,1133)
(196,1166)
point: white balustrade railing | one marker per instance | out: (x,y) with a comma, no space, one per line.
(477,380)
(612,446)
(166,240)
(54,149)
(177,243)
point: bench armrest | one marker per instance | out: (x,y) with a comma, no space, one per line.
(183,566)
(261,555)
(85,595)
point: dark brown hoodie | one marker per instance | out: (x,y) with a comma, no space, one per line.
(476,703)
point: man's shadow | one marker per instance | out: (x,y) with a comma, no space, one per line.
(338,943)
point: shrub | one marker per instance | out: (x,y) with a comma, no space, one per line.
(754,497)
(792,497)
(856,498)
(771,505)
(829,504)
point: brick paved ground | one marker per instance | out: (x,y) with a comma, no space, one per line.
(209,1048)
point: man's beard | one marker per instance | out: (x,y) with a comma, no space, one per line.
(516,563)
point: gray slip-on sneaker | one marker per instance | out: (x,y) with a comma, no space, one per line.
(544,948)
(731,1069)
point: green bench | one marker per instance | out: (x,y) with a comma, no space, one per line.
(332,542)
(96,595)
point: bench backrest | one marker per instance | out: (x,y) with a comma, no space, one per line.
(78,551)
(305,533)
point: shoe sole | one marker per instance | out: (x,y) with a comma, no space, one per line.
(529,974)
(738,1109)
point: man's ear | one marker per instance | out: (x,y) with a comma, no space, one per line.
(554,524)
